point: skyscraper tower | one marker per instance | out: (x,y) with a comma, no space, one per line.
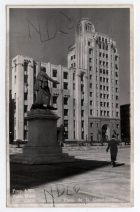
(95,59)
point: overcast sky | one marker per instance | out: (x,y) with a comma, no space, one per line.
(45,34)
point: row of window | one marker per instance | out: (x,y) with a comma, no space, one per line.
(103,55)
(103,79)
(54,74)
(103,71)
(104,88)
(103,63)
(73,57)
(97,124)
(104,104)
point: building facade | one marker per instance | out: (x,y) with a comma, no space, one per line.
(125,123)
(95,59)
(87,98)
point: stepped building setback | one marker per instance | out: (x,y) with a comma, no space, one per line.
(87,98)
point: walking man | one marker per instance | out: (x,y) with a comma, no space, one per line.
(113,146)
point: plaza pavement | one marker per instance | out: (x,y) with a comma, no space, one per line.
(87,182)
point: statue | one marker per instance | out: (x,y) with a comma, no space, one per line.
(43,91)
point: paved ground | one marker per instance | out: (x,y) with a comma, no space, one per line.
(89,180)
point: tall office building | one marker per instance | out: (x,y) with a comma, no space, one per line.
(95,59)
(87,97)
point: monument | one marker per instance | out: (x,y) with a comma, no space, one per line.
(42,146)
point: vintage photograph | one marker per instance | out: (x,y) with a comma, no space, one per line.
(69,106)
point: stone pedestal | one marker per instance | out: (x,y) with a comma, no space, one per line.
(42,146)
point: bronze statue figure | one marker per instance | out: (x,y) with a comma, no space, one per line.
(43,91)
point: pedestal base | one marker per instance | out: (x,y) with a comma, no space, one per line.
(42,146)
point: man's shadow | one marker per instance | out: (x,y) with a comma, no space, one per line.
(119,164)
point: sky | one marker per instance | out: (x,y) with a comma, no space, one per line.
(45,35)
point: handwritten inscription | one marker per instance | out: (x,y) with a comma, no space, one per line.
(52,195)
(60,190)
(61,25)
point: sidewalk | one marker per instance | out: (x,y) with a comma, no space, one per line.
(90,180)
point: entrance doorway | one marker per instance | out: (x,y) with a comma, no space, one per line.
(105,133)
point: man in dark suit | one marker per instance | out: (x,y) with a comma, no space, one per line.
(113,146)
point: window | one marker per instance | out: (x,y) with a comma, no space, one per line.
(82,77)
(82,102)
(90,76)
(91,124)
(73,86)
(100,79)
(90,94)
(73,102)
(90,85)
(65,75)
(107,104)
(65,85)
(54,99)
(15,79)
(104,104)
(90,51)
(100,95)
(116,89)
(116,82)
(117,105)
(66,123)
(116,97)
(65,101)
(90,60)
(89,43)
(74,114)
(104,71)
(100,70)
(25,108)
(82,135)
(90,112)
(54,85)
(90,102)
(116,74)
(54,73)
(107,113)
(117,114)
(73,76)
(82,87)
(91,136)
(101,104)
(82,113)
(65,112)
(82,124)
(25,66)
(90,68)
(25,96)
(104,95)
(25,78)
